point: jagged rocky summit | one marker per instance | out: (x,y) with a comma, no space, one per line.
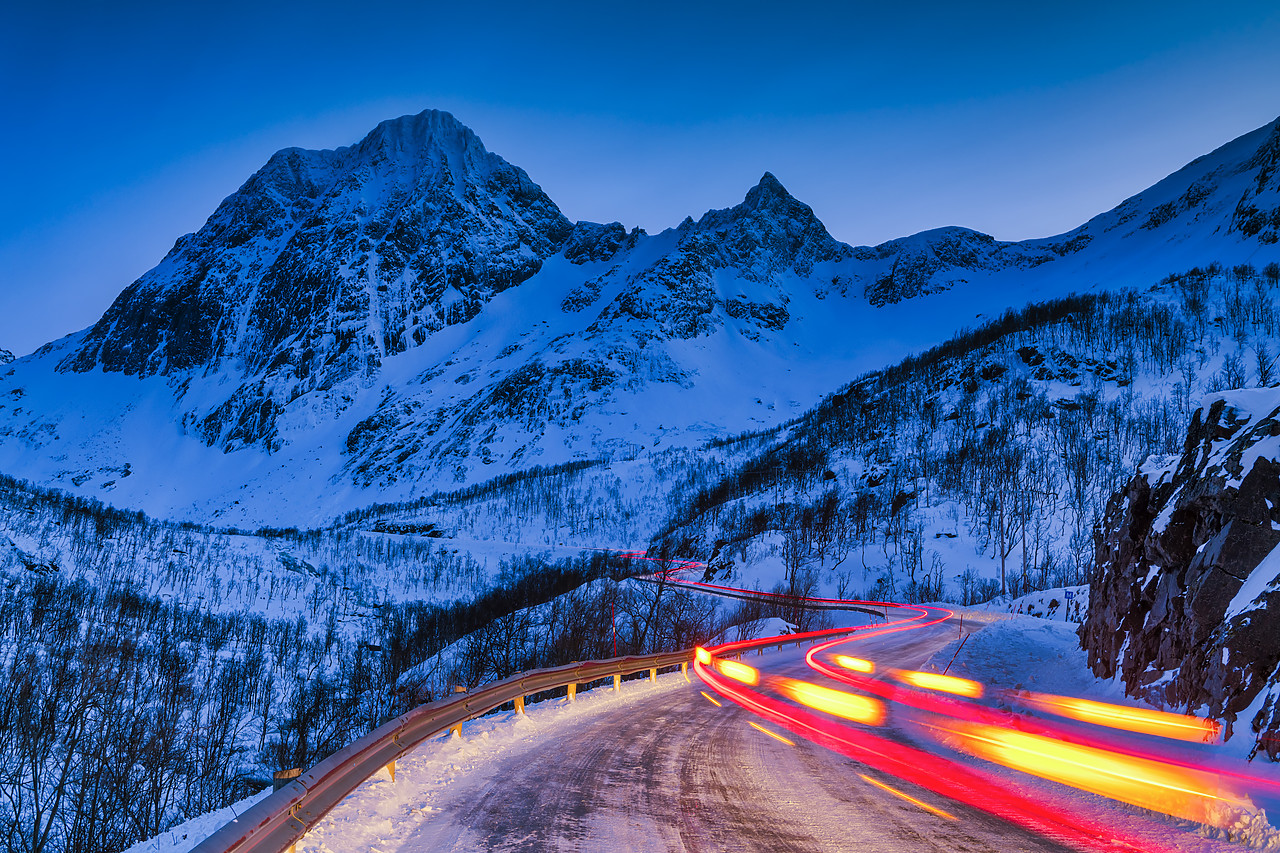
(1185,606)
(326,262)
(412,311)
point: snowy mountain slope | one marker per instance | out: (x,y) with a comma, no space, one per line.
(413,312)
(1224,206)
(983,465)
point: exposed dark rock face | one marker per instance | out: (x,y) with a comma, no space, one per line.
(590,241)
(1172,557)
(5,356)
(1258,212)
(766,236)
(325,262)
(769,232)
(937,260)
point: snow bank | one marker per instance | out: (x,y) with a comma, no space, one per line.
(185,836)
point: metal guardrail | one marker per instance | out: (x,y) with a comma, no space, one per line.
(276,823)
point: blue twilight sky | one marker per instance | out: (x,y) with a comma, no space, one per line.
(124,124)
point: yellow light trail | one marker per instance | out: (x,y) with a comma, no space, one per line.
(773,735)
(711,698)
(1141,720)
(910,799)
(739,671)
(850,706)
(941,683)
(702,656)
(1178,791)
(855,664)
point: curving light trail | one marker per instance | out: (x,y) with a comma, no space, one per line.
(872,713)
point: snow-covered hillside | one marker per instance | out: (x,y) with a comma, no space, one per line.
(389,319)
(982,466)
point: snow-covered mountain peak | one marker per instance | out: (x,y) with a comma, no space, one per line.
(1234,190)
(431,144)
(768,232)
(768,192)
(768,199)
(412,134)
(412,308)
(323,264)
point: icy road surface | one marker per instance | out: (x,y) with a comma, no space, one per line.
(664,771)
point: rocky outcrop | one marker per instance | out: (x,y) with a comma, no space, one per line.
(1257,214)
(937,260)
(1185,604)
(590,242)
(768,236)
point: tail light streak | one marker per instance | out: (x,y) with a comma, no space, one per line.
(932,772)
(945,708)
(1140,720)
(1178,791)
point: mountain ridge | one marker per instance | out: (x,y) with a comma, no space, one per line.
(413,310)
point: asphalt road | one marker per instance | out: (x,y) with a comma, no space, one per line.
(674,772)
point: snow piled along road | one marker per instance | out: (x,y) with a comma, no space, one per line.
(656,767)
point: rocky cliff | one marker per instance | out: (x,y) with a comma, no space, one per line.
(1185,604)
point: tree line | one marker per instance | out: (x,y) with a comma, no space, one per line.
(1011,436)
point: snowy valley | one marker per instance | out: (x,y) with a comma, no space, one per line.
(387,423)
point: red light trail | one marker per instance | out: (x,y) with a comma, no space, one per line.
(1081,743)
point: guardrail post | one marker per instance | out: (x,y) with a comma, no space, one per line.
(283,777)
(285,812)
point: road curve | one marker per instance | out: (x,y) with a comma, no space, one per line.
(674,772)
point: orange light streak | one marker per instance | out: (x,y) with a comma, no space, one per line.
(849,706)
(739,671)
(1173,790)
(702,656)
(941,683)
(711,698)
(855,664)
(1140,720)
(910,799)
(773,735)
